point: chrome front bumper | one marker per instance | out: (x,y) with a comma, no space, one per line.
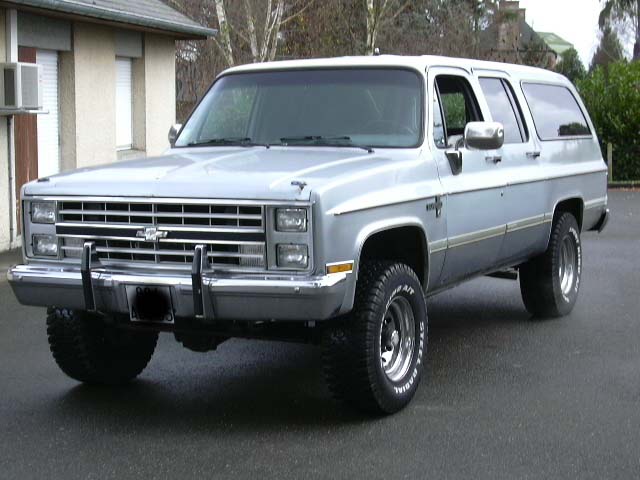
(228,297)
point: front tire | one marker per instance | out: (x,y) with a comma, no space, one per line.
(550,282)
(373,360)
(90,351)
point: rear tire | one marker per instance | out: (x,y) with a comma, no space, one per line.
(550,282)
(90,351)
(373,360)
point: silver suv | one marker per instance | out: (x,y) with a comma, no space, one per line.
(321,201)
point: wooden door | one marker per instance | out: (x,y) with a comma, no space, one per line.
(26,142)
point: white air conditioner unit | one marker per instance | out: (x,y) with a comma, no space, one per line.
(20,86)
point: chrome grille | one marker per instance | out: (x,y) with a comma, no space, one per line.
(234,233)
(161,214)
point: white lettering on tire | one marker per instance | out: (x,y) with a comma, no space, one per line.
(406,386)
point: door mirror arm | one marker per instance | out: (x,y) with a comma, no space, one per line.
(173,134)
(455,157)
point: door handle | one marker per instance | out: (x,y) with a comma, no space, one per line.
(494,159)
(534,155)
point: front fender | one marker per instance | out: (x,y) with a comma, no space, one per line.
(366,231)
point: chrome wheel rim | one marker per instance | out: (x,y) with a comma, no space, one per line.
(568,265)
(397,339)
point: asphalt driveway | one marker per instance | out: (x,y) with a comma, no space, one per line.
(503,396)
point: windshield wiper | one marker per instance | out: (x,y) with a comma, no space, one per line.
(233,141)
(313,138)
(324,141)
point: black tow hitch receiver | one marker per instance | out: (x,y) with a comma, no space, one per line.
(89,256)
(201,308)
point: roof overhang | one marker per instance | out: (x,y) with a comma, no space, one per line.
(107,16)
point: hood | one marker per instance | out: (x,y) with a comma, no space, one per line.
(252,173)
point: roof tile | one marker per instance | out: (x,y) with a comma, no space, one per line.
(145,13)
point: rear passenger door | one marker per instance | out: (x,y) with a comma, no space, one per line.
(474,194)
(524,206)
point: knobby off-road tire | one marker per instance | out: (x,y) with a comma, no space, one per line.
(550,282)
(88,350)
(373,360)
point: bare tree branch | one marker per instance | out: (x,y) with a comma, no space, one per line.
(251,28)
(227,48)
(298,13)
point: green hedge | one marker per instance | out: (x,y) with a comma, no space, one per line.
(612,96)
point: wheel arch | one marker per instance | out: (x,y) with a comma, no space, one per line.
(373,237)
(574,205)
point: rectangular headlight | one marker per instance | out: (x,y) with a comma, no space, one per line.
(45,245)
(293,256)
(43,212)
(291,219)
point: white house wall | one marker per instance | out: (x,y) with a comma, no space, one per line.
(95,94)
(5,202)
(87,93)
(94,106)
(160,96)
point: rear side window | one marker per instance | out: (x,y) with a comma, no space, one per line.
(555,111)
(504,109)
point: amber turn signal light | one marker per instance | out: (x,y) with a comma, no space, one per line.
(343,267)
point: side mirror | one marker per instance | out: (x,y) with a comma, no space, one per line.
(173,133)
(484,135)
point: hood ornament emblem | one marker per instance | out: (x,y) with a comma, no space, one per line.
(299,183)
(151,234)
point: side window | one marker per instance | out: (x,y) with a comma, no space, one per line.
(504,109)
(455,111)
(459,107)
(555,111)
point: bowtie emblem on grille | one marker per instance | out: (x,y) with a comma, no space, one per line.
(151,234)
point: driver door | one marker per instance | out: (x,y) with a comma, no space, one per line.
(470,178)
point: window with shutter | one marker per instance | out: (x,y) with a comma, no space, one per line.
(124,134)
(48,124)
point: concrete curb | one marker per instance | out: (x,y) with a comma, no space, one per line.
(615,185)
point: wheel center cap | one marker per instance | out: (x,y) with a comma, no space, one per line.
(394,340)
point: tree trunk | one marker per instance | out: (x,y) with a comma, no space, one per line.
(636,47)
(264,46)
(225,38)
(276,30)
(371,28)
(251,30)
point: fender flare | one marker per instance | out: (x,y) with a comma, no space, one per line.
(390,224)
(572,196)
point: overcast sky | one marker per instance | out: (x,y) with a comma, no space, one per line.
(574,20)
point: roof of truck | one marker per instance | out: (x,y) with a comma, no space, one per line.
(420,63)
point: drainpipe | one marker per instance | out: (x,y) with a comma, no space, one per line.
(11,31)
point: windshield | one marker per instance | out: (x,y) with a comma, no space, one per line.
(355,107)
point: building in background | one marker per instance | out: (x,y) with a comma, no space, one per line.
(509,38)
(556,43)
(108,80)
